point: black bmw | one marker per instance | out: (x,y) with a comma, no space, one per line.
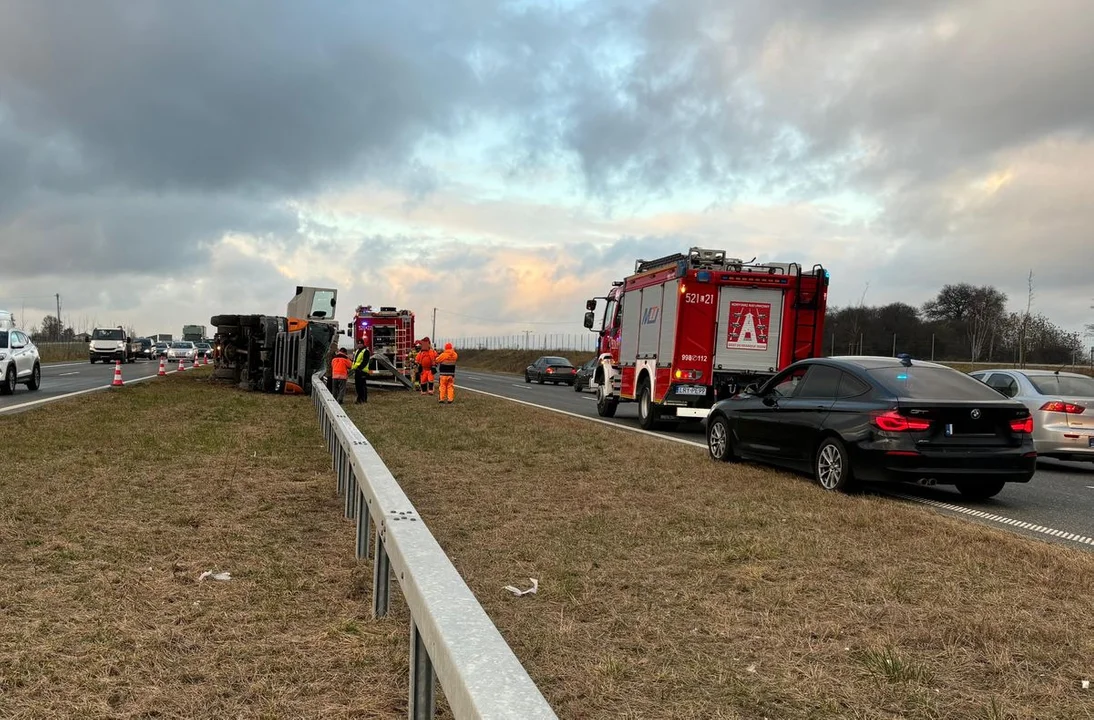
(879,419)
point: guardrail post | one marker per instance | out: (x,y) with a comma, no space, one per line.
(423,699)
(363,522)
(381,579)
(351,491)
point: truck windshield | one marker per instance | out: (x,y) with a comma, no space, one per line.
(108,334)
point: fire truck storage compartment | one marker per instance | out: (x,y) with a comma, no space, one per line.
(628,337)
(667,346)
(748,332)
(383,339)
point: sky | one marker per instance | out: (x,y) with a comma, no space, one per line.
(162,162)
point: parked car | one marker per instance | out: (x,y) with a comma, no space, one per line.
(181,350)
(584,377)
(879,419)
(1062,405)
(19,359)
(550,369)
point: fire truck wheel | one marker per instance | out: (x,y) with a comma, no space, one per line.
(605,404)
(832,465)
(720,440)
(648,412)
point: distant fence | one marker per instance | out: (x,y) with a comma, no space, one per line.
(452,638)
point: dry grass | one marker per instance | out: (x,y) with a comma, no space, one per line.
(514,361)
(674,587)
(107,517)
(62,351)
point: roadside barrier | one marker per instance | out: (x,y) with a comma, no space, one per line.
(452,639)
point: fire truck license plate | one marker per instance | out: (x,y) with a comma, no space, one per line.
(691,390)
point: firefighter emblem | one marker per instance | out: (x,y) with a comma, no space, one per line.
(749,323)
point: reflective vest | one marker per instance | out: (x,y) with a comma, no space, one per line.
(361,360)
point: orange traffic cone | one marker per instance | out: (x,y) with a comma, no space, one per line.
(207,359)
(182,368)
(117,374)
(195,361)
(163,367)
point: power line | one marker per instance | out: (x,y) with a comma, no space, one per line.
(504,322)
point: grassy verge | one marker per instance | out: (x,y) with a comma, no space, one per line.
(108,515)
(674,587)
(62,352)
(515,361)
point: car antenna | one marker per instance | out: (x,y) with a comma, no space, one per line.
(905,359)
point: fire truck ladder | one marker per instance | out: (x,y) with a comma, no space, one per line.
(402,347)
(805,328)
(382,363)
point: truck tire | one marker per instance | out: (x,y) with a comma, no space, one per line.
(250,321)
(649,414)
(605,404)
(225,320)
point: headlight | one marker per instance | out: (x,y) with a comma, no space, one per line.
(121,345)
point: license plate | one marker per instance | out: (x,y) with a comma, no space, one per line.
(1090,441)
(691,390)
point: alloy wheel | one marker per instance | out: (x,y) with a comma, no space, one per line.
(830,467)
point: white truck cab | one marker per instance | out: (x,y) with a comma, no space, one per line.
(110,343)
(19,359)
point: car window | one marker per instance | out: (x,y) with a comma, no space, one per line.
(786,385)
(557,361)
(921,382)
(850,386)
(1063,385)
(820,382)
(3,339)
(1003,383)
(108,334)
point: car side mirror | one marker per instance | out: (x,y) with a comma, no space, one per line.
(770,400)
(129,339)
(590,305)
(589,318)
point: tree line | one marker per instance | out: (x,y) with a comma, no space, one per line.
(964,322)
(53,330)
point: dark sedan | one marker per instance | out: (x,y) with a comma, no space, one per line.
(550,369)
(584,377)
(879,419)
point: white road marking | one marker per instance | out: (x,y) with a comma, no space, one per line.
(74,372)
(1003,520)
(33,403)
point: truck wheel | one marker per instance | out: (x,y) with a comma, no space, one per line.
(225,320)
(250,321)
(605,404)
(648,412)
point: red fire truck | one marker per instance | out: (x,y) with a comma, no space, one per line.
(388,333)
(687,330)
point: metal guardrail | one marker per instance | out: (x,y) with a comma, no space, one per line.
(452,639)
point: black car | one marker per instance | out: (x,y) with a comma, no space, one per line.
(551,369)
(584,376)
(879,419)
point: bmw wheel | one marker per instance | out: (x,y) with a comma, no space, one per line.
(980,490)
(832,466)
(720,440)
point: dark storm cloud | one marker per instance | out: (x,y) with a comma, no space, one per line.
(232,95)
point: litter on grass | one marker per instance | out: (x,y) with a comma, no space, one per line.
(518,592)
(215,576)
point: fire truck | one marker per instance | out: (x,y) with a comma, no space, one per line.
(687,330)
(388,333)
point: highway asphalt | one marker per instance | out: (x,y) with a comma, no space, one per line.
(1057,505)
(60,380)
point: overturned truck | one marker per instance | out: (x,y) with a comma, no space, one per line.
(276,354)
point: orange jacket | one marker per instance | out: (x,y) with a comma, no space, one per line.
(339,367)
(446,362)
(426,359)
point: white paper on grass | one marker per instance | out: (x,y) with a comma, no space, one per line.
(518,592)
(215,576)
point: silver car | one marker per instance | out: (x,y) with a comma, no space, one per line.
(1062,405)
(181,350)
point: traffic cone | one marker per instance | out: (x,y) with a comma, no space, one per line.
(195,361)
(207,359)
(163,367)
(117,374)
(182,367)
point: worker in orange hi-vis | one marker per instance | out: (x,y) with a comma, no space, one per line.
(340,367)
(446,368)
(426,360)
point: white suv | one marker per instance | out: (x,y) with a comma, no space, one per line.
(19,360)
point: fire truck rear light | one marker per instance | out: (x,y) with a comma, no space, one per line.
(1022,425)
(1064,407)
(689,374)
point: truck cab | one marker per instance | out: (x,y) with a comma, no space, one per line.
(110,343)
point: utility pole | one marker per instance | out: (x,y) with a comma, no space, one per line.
(526,334)
(58,316)
(433,334)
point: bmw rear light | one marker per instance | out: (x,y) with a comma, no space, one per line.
(1022,425)
(893,421)
(1064,407)
(550,370)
